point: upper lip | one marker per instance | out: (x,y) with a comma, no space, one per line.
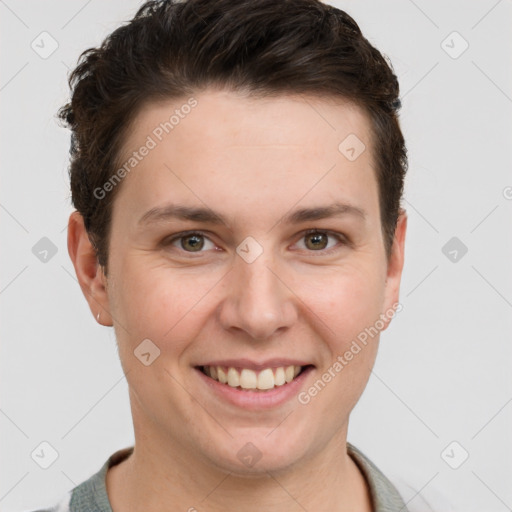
(256,365)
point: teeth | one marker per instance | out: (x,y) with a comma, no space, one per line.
(266,379)
(279,376)
(221,375)
(249,379)
(233,378)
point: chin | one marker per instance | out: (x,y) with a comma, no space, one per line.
(254,455)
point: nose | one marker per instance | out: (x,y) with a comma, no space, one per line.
(258,300)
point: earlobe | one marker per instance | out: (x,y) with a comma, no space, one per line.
(90,275)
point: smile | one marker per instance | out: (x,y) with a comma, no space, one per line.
(247,379)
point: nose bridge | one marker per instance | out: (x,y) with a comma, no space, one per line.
(257,301)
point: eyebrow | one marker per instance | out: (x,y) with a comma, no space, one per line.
(202,214)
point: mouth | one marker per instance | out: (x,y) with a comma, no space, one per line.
(246,379)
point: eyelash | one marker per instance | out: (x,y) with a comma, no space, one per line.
(341,238)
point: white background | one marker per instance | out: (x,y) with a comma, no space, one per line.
(443,370)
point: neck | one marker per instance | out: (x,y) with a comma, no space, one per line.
(156,479)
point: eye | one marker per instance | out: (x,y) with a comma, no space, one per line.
(315,241)
(190,241)
(318,241)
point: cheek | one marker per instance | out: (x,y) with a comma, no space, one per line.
(160,304)
(348,304)
(347,300)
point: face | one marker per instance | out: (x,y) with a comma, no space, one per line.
(245,283)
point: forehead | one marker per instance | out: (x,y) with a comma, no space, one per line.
(244,152)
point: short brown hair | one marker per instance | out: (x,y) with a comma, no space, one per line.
(172,48)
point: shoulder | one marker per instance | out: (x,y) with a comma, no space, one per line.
(421,497)
(91,494)
(397,493)
(62,506)
(385,496)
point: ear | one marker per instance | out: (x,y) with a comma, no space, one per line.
(88,271)
(394,269)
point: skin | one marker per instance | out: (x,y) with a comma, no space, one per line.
(252,160)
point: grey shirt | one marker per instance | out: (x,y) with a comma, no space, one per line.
(91,495)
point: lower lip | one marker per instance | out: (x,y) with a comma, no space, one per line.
(257,400)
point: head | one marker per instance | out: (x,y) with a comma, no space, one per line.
(250,111)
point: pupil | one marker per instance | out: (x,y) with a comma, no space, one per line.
(316,237)
(197,242)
